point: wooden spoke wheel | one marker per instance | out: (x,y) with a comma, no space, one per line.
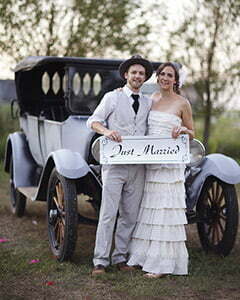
(17,199)
(62,215)
(218,211)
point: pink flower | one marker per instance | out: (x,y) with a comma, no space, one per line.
(34,261)
(2,240)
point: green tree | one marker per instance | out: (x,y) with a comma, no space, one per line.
(71,28)
(208,43)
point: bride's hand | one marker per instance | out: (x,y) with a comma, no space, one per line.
(179,130)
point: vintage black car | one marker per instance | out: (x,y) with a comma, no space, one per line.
(51,160)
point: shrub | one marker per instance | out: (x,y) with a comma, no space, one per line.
(7,125)
(225,137)
(225,134)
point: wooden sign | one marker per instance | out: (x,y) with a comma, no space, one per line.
(145,150)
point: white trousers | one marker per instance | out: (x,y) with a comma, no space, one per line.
(122,192)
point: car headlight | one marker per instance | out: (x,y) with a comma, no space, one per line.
(95,149)
(197,152)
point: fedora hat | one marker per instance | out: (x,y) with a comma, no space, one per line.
(136,60)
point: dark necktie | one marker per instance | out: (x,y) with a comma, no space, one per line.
(135,103)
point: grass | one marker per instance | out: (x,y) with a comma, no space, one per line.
(210,276)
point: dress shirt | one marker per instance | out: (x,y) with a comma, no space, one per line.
(129,93)
(107,106)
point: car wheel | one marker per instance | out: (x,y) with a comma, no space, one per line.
(218,211)
(62,216)
(17,199)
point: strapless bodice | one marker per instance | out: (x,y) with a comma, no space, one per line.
(162,123)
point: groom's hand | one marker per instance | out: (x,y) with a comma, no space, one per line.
(113,135)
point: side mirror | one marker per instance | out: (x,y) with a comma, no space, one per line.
(14,109)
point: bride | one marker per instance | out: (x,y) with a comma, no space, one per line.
(158,241)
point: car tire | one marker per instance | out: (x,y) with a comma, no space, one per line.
(62,216)
(17,199)
(218,211)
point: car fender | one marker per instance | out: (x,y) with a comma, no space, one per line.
(218,165)
(68,163)
(24,166)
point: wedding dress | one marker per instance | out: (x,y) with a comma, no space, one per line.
(158,241)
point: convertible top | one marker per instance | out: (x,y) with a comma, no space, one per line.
(31,62)
(75,84)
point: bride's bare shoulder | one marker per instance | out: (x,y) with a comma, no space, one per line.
(155,99)
(183,100)
(155,96)
(185,104)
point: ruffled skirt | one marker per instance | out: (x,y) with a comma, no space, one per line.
(158,241)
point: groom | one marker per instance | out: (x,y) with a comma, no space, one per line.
(121,113)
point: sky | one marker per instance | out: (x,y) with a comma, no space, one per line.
(175,10)
(5,68)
